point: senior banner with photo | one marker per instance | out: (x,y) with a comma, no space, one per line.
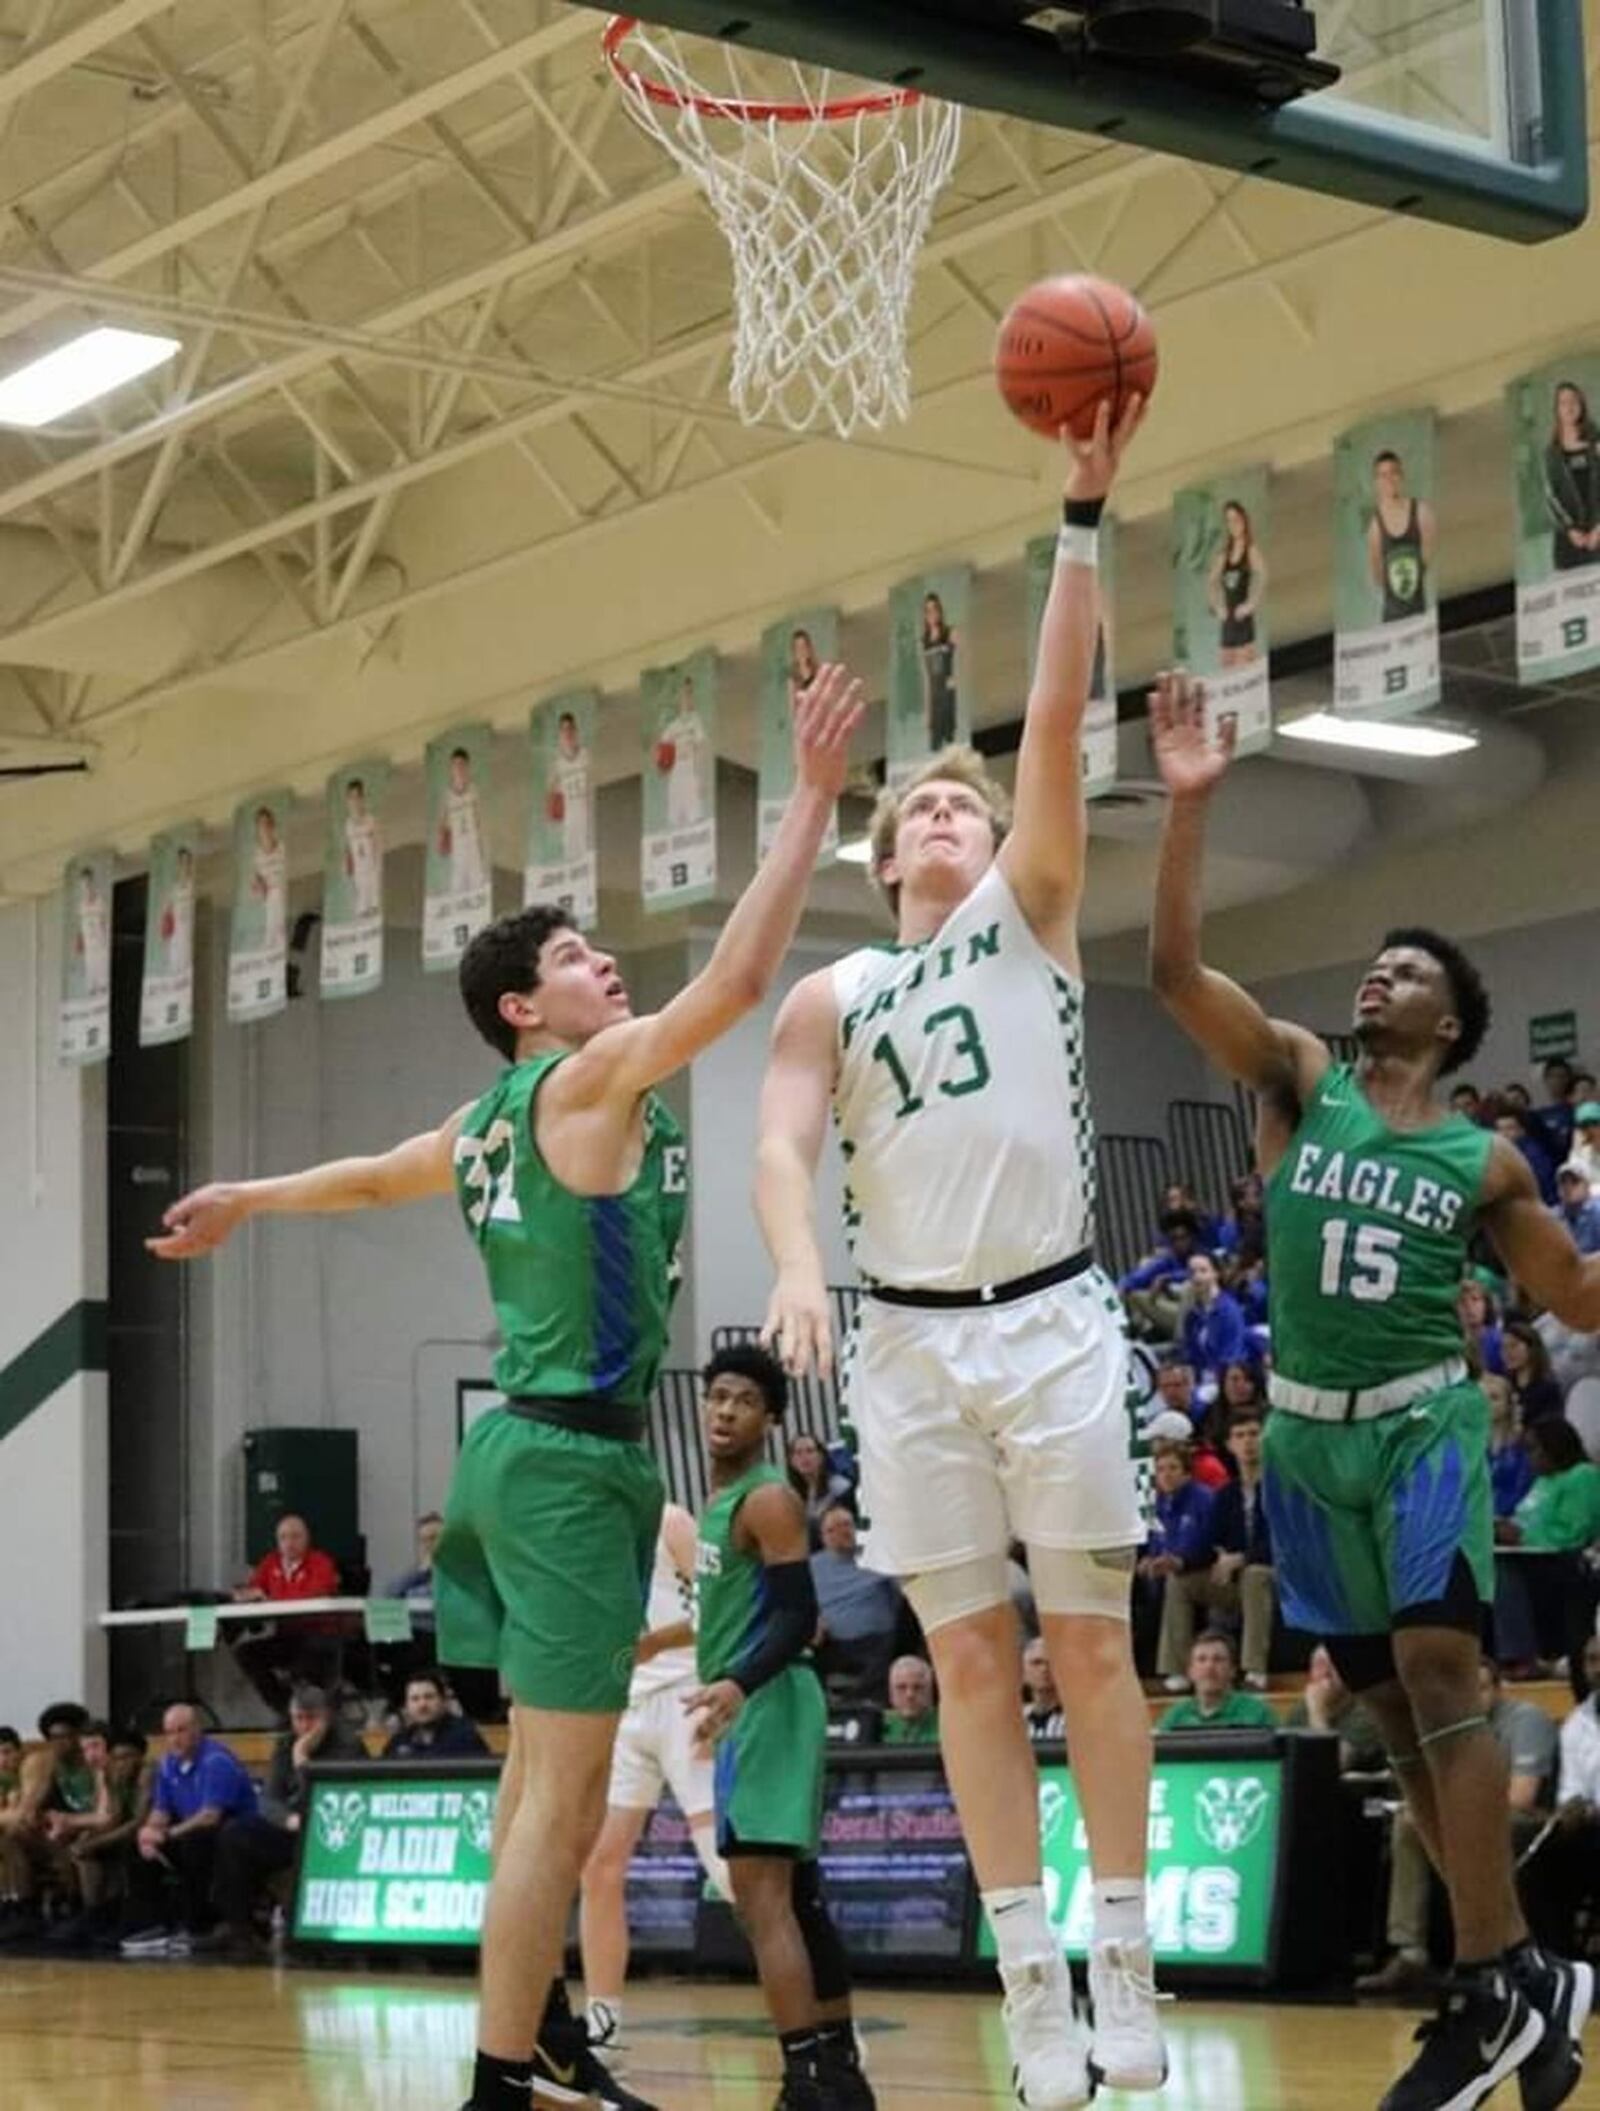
(258,930)
(1100,720)
(930,668)
(1220,579)
(678,722)
(458,881)
(791,653)
(84,1022)
(561,863)
(1555,461)
(352,879)
(1385,595)
(166,993)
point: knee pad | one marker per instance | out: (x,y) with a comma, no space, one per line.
(939,1596)
(1076,1580)
(830,1969)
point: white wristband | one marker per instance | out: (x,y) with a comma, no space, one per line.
(1078,546)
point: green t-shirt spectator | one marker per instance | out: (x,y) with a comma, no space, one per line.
(1561,1511)
(920,1730)
(1240,1711)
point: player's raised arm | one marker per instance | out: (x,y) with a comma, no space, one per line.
(203,1220)
(1535,1245)
(1271,1056)
(794,1118)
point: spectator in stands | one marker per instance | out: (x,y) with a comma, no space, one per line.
(1545,1606)
(1586,1139)
(1175,1389)
(1242,1387)
(1154,1291)
(432,1728)
(1527,1736)
(1480,1320)
(1562,1874)
(1527,1365)
(199,1787)
(295,1569)
(1215,1703)
(1242,1235)
(256,1845)
(1239,1578)
(1466,1099)
(394,1662)
(1514,1095)
(1576,1207)
(1215,1331)
(1532,1139)
(104,1845)
(1510,1468)
(1179,1195)
(1041,1700)
(12,1880)
(417,1581)
(1206,1465)
(860,1610)
(1558,1111)
(816,1480)
(57,1783)
(912,1718)
(1180,1541)
(1327,1704)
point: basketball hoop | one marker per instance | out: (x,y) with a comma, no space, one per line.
(825,200)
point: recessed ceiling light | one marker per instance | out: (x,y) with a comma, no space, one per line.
(77,372)
(855,850)
(1379,736)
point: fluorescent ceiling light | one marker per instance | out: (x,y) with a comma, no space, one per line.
(855,850)
(1379,736)
(77,372)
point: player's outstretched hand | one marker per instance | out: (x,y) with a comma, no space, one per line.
(799,1323)
(1092,464)
(199,1223)
(1190,762)
(713,1709)
(826,715)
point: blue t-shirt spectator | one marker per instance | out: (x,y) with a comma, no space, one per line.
(211,1780)
(1510,1477)
(1184,1525)
(1532,1139)
(1215,1330)
(1577,1208)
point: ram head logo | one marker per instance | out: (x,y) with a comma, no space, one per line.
(1229,1814)
(340,1819)
(477,1820)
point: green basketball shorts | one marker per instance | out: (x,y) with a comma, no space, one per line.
(1368,1518)
(543,1566)
(769,1769)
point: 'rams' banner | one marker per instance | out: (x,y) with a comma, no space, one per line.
(1100,720)
(166,995)
(791,653)
(930,668)
(458,884)
(1555,457)
(1385,554)
(1219,600)
(258,931)
(678,854)
(352,879)
(84,1023)
(561,864)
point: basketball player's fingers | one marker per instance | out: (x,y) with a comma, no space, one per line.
(1128,424)
(1159,700)
(848,713)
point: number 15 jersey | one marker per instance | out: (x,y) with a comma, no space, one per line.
(961,1102)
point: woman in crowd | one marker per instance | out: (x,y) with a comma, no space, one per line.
(1527,1366)
(1510,1468)
(816,1480)
(1480,1317)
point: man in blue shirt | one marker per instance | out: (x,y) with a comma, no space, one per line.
(1576,1206)
(860,1609)
(1181,1540)
(1154,1290)
(199,1786)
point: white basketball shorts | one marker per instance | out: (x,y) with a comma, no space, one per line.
(987,1423)
(655,1750)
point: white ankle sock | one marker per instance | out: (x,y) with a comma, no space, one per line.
(1020,1925)
(1119,1910)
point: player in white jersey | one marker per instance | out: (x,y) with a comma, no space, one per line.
(654,1751)
(93,940)
(363,851)
(269,881)
(461,828)
(567,789)
(990,1388)
(685,733)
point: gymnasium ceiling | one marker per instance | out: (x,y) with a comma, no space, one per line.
(449,427)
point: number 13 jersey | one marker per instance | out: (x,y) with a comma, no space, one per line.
(961,1102)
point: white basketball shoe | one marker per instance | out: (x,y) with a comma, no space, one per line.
(1129,2051)
(1049,2046)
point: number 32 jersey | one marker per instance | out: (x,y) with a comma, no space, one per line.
(961,1102)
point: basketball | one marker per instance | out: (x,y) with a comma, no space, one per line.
(1064,345)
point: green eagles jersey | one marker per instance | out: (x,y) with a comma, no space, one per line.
(1367,1235)
(582,1284)
(730,1594)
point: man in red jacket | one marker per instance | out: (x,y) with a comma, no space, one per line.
(283,1657)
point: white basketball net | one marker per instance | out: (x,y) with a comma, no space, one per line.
(824,213)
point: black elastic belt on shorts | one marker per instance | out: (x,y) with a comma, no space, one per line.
(986,1293)
(591,1415)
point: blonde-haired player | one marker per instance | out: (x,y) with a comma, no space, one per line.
(990,1382)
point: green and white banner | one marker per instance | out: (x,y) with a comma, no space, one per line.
(258,930)
(458,882)
(1100,720)
(930,666)
(395,1861)
(678,720)
(561,863)
(791,653)
(1385,596)
(166,994)
(352,879)
(1555,462)
(84,1022)
(1219,600)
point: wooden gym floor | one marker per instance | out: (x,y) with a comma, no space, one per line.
(82,2036)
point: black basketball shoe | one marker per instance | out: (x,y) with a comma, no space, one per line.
(1484,2030)
(566,2073)
(1563,1993)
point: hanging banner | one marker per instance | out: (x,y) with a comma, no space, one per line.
(791,653)
(678,855)
(84,1023)
(561,863)
(258,932)
(1385,598)
(1555,462)
(166,995)
(930,661)
(352,879)
(1100,720)
(458,887)
(1219,601)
